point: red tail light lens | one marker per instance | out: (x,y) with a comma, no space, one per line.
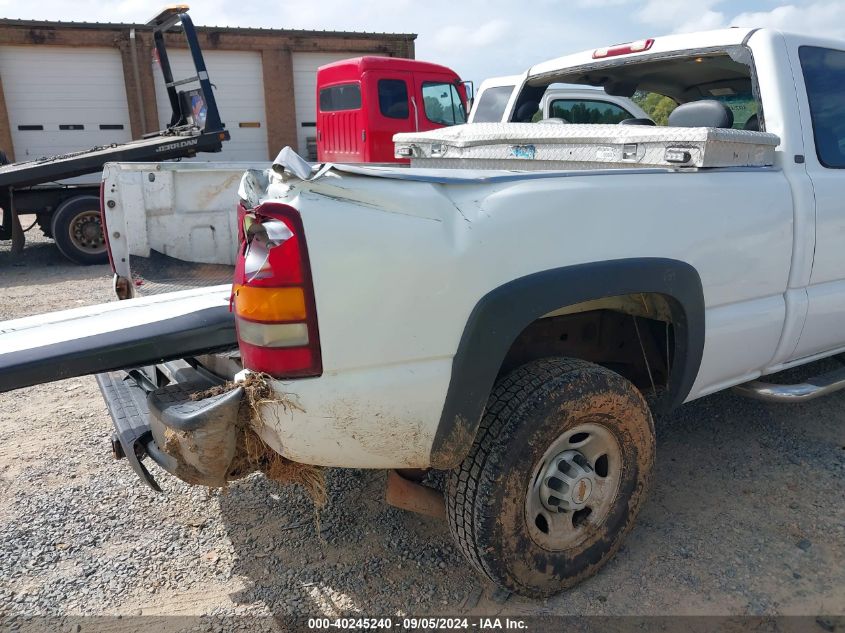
(623,49)
(273,294)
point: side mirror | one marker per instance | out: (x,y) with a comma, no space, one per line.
(469,87)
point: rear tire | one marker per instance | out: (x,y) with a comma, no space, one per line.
(78,231)
(556,477)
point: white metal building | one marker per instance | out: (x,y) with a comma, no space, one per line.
(72,86)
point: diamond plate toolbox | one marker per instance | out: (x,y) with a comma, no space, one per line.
(536,146)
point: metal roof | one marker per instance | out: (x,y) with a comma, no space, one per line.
(112,26)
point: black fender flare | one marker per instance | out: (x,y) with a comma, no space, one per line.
(503,313)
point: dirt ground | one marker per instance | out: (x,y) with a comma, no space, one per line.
(746,515)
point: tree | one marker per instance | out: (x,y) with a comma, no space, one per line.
(657,107)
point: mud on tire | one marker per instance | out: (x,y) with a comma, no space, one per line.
(542,406)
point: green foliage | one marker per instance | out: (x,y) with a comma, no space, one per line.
(743,108)
(656,106)
(582,112)
(659,107)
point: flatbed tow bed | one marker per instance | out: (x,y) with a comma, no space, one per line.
(70,213)
(172,143)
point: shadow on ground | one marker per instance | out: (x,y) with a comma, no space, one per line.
(41,253)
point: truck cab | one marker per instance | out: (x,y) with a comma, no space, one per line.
(494,95)
(362,102)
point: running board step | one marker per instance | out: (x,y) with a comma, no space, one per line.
(811,389)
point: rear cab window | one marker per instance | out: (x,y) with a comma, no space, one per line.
(741,103)
(587,111)
(657,84)
(340,97)
(442,103)
(491,104)
(393,98)
(824,78)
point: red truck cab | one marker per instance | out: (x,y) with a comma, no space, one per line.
(362,102)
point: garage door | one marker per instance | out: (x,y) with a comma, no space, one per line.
(305,67)
(63,99)
(239,92)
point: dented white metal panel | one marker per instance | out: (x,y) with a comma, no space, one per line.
(562,146)
(399,264)
(183,210)
(388,339)
(370,417)
(400,261)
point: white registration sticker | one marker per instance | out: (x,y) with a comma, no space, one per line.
(607,154)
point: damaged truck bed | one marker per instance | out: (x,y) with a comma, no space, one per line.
(512,326)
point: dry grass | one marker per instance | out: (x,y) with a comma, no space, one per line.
(252,453)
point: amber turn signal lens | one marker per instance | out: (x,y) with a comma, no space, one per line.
(270,304)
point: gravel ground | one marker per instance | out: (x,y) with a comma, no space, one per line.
(747,515)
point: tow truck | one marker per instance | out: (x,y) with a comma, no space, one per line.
(70,213)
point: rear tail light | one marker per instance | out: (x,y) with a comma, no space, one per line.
(273,294)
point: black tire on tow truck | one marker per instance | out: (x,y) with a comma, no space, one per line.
(78,231)
(555,479)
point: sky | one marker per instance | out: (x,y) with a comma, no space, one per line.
(477,38)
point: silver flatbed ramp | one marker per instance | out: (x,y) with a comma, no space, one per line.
(161,147)
(111,336)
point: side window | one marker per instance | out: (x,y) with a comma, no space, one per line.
(342,97)
(824,76)
(443,103)
(491,104)
(393,98)
(583,111)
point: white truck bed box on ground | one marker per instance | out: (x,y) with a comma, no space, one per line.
(173,225)
(530,146)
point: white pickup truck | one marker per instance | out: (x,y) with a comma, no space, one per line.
(514,327)
(575,105)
